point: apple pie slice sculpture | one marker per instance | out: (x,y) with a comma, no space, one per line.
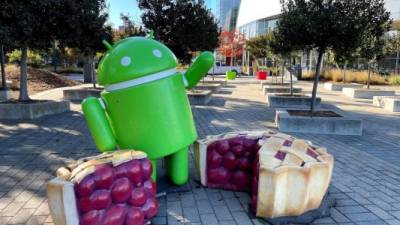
(110,189)
(284,176)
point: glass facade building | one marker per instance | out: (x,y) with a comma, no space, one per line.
(258,27)
(222,9)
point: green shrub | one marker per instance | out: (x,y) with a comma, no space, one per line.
(394,80)
(34,59)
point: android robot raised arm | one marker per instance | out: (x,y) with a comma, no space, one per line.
(144,105)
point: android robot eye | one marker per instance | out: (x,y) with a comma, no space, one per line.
(157,53)
(125,61)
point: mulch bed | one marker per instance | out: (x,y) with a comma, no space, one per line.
(307,113)
(38,79)
(15,101)
(289,95)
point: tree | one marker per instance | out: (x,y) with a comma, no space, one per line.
(185,26)
(372,51)
(231,44)
(333,24)
(260,47)
(89,29)
(129,29)
(392,46)
(29,24)
(283,51)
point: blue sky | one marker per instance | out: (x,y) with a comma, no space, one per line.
(116,7)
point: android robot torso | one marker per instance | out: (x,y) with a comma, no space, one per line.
(154,116)
(144,105)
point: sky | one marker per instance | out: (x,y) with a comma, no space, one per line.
(116,7)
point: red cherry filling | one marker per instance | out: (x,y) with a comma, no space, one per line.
(229,163)
(121,195)
(312,153)
(280,155)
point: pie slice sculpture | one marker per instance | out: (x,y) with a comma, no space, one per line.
(110,189)
(285,176)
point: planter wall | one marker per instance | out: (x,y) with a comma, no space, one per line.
(339,86)
(5,95)
(390,103)
(280,89)
(80,94)
(317,125)
(32,110)
(222,82)
(210,87)
(199,97)
(270,83)
(279,101)
(366,93)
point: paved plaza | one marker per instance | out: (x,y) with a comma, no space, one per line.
(365,183)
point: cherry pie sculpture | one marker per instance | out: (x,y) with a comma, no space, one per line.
(284,176)
(110,189)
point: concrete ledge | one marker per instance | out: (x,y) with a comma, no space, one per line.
(287,101)
(199,97)
(391,103)
(366,93)
(222,82)
(339,86)
(81,93)
(5,95)
(280,89)
(317,125)
(210,86)
(270,83)
(32,110)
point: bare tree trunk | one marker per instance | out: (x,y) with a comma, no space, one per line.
(54,57)
(397,62)
(344,72)
(23,81)
(316,79)
(283,70)
(92,71)
(369,75)
(291,84)
(3,71)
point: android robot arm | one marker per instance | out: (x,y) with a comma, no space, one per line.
(199,69)
(98,124)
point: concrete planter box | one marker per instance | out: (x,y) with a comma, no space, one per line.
(280,89)
(317,125)
(287,101)
(339,86)
(366,93)
(5,95)
(80,94)
(199,97)
(391,103)
(211,87)
(271,83)
(32,110)
(222,82)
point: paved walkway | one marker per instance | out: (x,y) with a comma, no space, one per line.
(366,180)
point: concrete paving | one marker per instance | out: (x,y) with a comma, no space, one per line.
(365,184)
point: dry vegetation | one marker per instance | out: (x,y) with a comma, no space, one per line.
(38,79)
(354,77)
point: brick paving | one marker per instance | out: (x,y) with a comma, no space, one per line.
(365,184)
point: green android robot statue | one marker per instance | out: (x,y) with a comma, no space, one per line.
(144,105)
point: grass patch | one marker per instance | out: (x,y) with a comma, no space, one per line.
(394,80)
(360,77)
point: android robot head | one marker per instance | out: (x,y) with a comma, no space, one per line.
(133,58)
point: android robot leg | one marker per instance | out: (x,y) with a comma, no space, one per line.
(177,165)
(154,173)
